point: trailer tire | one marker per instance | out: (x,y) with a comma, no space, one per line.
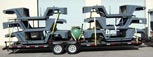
(58,49)
(73,48)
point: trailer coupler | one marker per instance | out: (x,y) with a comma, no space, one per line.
(6,48)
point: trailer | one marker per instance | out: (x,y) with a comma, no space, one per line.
(71,41)
(100,34)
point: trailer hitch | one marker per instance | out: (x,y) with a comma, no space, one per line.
(6,47)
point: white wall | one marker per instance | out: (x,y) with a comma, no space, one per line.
(74,15)
(91,3)
(32,5)
(7,4)
(149,5)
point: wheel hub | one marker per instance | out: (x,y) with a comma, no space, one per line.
(72,48)
(57,49)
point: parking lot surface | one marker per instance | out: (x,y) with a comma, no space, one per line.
(143,51)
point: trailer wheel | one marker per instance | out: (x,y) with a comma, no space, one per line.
(58,49)
(73,48)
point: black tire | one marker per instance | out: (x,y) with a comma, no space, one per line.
(50,48)
(73,48)
(58,49)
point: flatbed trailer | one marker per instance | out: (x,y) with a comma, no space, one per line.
(71,41)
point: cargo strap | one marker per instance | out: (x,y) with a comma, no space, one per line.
(137,39)
(54,25)
(73,37)
(95,35)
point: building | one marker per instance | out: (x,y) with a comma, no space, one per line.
(7,4)
(74,16)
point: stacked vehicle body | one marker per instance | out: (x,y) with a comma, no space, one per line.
(32,35)
(72,40)
(101,33)
(124,33)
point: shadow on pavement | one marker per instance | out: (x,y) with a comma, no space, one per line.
(109,48)
(32,51)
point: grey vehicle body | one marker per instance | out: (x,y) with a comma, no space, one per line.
(28,31)
(123,31)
